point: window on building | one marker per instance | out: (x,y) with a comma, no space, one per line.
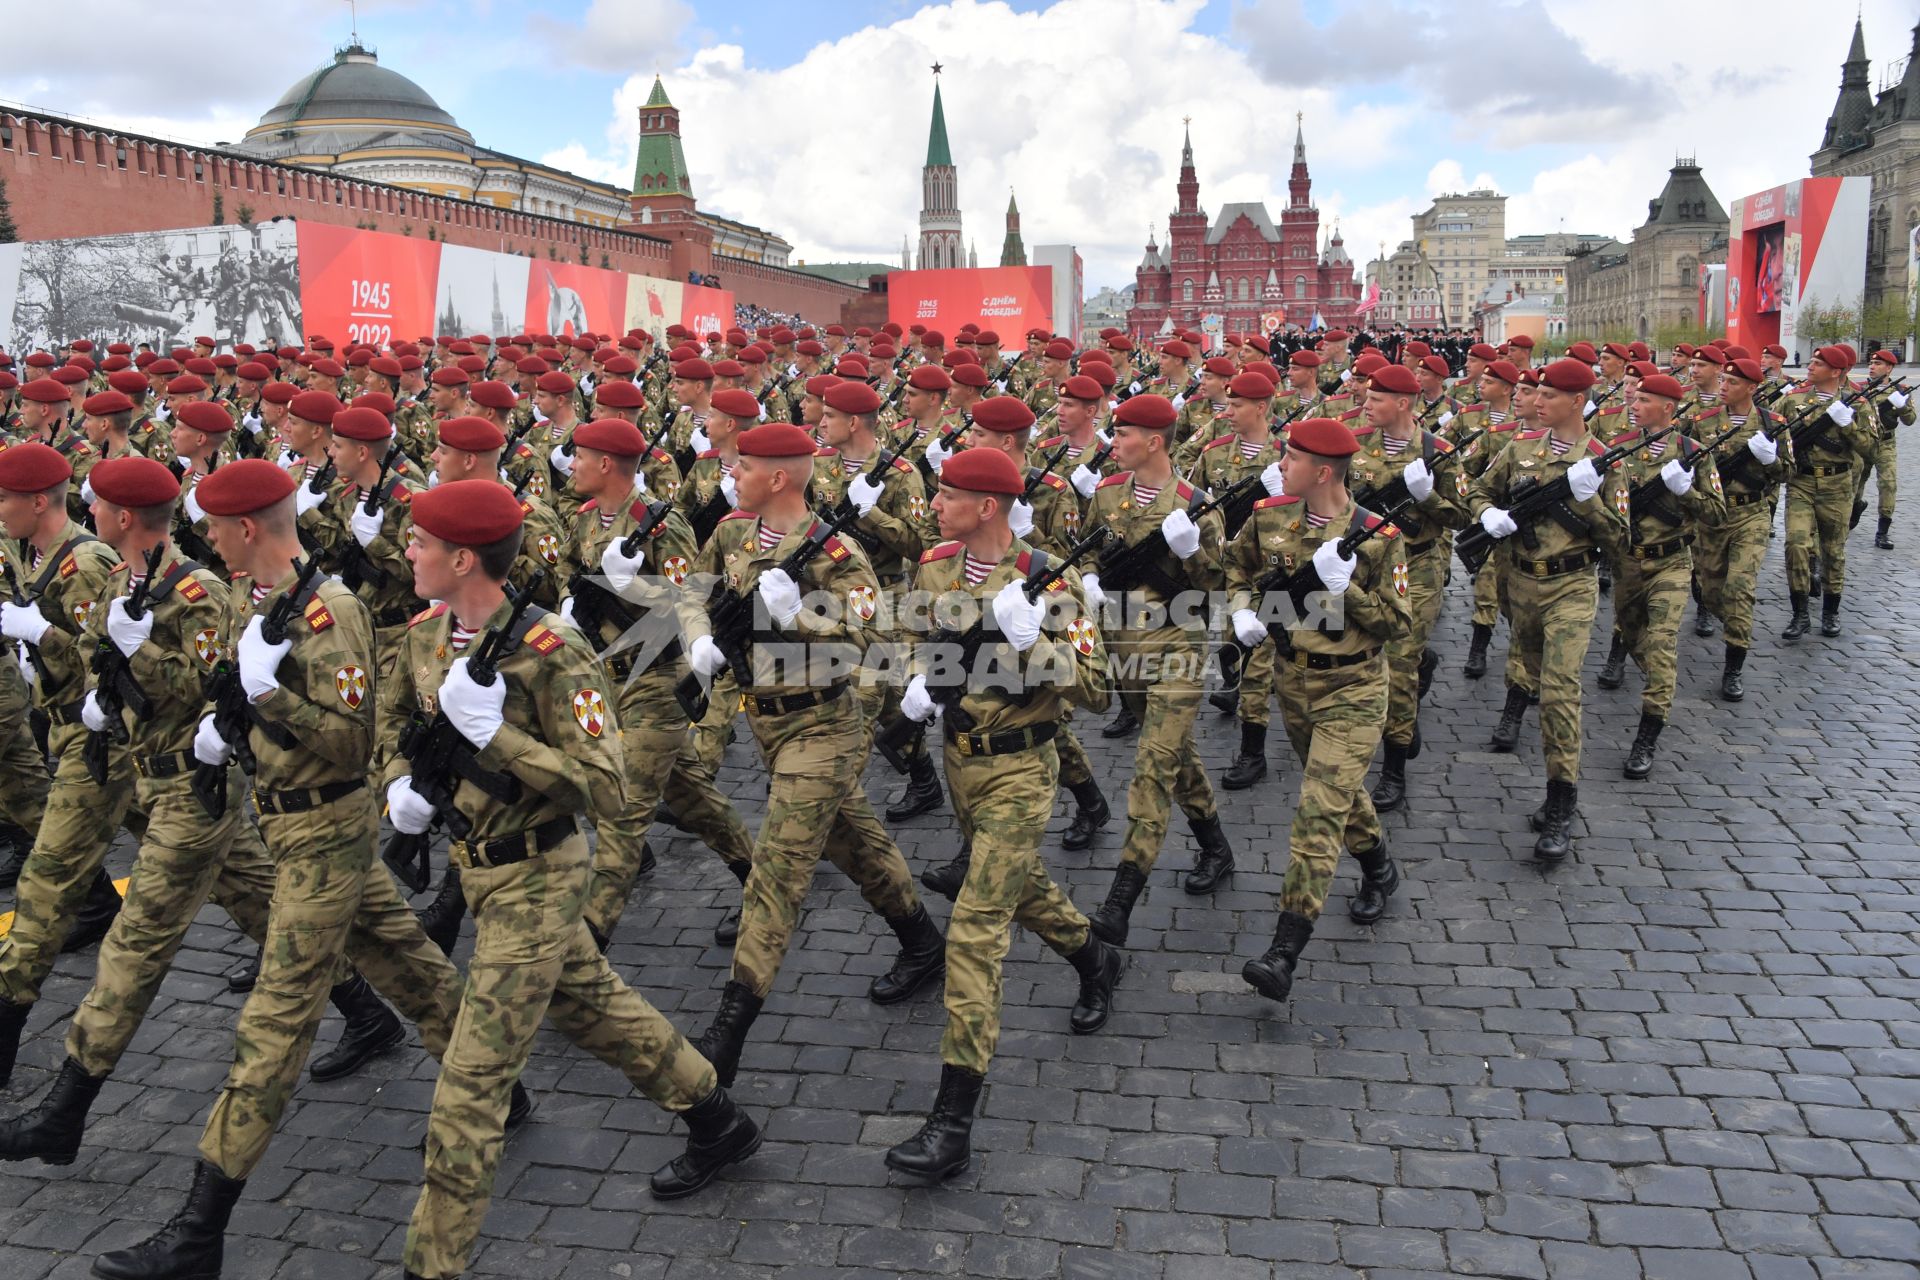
(1186,291)
(1300,287)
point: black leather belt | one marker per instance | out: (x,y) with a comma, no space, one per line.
(1660,550)
(1001,744)
(302,801)
(1828,469)
(167,766)
(65,713)
(620,665)
(794,701)
(1556,566)
(1328,661)
(508,850)
(1746,499)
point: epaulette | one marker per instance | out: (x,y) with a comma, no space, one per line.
(118,567)
(191,590)
(1532,435)
(1053,481)
(1051,441)
(1595,447)
(1472,408)
(405,497)
(543,639)
(736,515)
(639,511)
(711,453)
(836,550)
(1360,433)
(901,464)
(522,450)
(826,451)
(1215,444)
(1632,433)
(943,551)
(431,611)
(661,455)
(1116,478)
(319,617)
(1441,443)
(69,566)
(1610,409)
(1277,500)
(1386,530)
(591,504)
(1184,490)
(1351,413)
(1501,428)
(526,508)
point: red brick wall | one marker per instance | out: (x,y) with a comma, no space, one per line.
(819,300)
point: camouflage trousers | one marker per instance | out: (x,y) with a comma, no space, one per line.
(1882,465)
(79,822)
(1334,720)
(658,754)
(1726,563)
(1075,768)
(1818,508)
(1167,769)
(1003,803)
(710,733)
(1427,571)
(815,807)
(1256,686)
(184,859)
(329,897)
(533,959)
(1648,600)
(23,770)
(1552,621)
(1489,593)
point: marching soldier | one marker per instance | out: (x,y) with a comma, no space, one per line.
(1499,415)
(1332,675)
(1891,410)
(1751,465)
(1045,389)
(1820,490)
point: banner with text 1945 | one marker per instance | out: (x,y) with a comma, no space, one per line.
(1007,300)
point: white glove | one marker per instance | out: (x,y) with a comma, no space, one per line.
(1090,588)
(365,527)
(1336,572)
(863,493)
(476,710)
(1020,518)
(1271,479)
(1247,627)
(1678,478)
(1133,388)
(208,746)
(90,713)
(937,454)
(1179,401)
(259,660)
(1898,399)
(781,594)
(916,704)
(566,612)
(705,658)
(1419,479)
(406,810)
(1589,409)
(86,492)
(1105,437)
(1764,450)
(1583,479)
(304,499)
(1345,374)
(1084,480)
(127,633)
(22,622)
(252,423)
(1019,617)
(561,462)
(1841,413)
(22,661)
(191,505)
(1445,418)
(1181,533)
(161,411)
(730,491)
(620,570)
(1498,523)
(700,441)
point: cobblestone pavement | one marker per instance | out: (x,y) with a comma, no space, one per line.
(1693,1051)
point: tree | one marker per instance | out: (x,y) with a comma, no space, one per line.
(9,233)
(1821,323)
(606,261)
(1889,322)
(219,208)
(245,215)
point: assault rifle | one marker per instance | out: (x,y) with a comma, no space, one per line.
(34,656)
(1394,494)
(945,439)
(117,690)
(1036,476)
(232,708)
(730,614)
(1646,498)
(1532,501)
(1123,568)
(357,569)
(1810,430)
(442,758)
(593,604)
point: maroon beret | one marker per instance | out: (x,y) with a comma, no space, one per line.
(1583,351)
(737,403)
(131,381)
(694,370)
(1483,351)
(103,403)
(253,371)
(448,376)
(32,468)
(1567,375)
(619,394)
(1748,369)
(1437,366)
(929,377)
(279,392)
(1710,353)
(1322,437)
(772,440)
(555,384)
(1175,347)
(855,397)
(379,401)
(315,406)
(1617,350)
(1058,351)
(475,435)
(186,384)
(45,391)
(385,366)
(1416,348)
(1521,340)
(1505,371)
(1250,386)
(1221,367)
(1885,357)
(133,481)
(1394,380)
(1305,359)
(1002,413)
(359,423)
(329,368)
(968,375)
(616,436)
(468,513)
(206,417)
(983,471)
(1661,384)
(1775,350)
(1081,387)
(819,383)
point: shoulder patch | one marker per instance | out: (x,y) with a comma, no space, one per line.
(319,617)
(191,590)
(1118,477)
(1050,441)
(661,455)
(1595,448)
(591,504)
(1053,480)
(1184,490)
(403,495)
(711,453)
(1215,444)
(836,550)
(1277,500)
(736,515)
(69,566)
(1351,413)
(901,464)
(1361,433)
(944,551)
(826,451)
(1472,408)
(1386,530)
(1609,410)
(1533,435)
(1024,561)
(543,639)
(431,611)
(1440,445)
(1624,436)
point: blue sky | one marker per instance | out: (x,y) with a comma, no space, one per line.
(811,120)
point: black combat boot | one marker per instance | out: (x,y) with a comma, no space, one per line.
(371,1030)
(726,1035)
(1605,577)
(1613,673)
(1830,614)
(1121,725)
(1702,620)
(719,1133)
(51,1132)
(1429,663)
(1477,650)
(96,916)
(1732,687)
(1880,538)
(241,977)
(1091,813)
(13,1021)
(1640,755)
(441,918)
(18,845)
(601,941)
(941,1148)
(1506,734)
(727,932)
(1225,701)
(947,878)
(1859,509)
(1272,974)
(1099,967)
(1801,623)
(922,794)
(1391,792)
(190,1245)
(1215,862)
(923,956)
(664,813)
(648,862)
(1251,764)
(1379,878)
(1110,921)
(1556,822)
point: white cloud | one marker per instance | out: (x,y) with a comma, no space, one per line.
(616,35)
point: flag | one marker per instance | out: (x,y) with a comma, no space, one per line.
(1372,299)
(1318,322)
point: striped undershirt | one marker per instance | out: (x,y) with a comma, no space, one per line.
(770,537)
(1250,449)
(1558,446)
(460,637)
(1315,521)
(1144,495)
(1393,448)
(977,569)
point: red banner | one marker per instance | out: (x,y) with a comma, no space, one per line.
(366,286)
(705,310)
(1007,300)
(566,299)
